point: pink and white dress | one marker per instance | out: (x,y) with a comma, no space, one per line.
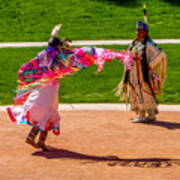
(40,109)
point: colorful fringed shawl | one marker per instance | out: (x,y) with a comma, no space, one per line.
(51,64)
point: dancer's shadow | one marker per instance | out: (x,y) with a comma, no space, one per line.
(111,160)
(165,124)
(62,153)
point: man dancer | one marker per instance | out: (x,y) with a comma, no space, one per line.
(146,77)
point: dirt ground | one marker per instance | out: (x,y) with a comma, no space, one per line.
(94,145)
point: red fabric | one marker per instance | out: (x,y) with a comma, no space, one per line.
(11,115)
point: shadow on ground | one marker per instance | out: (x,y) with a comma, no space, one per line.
(165,124)
(110,160)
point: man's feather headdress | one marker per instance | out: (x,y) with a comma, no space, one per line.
(145,14)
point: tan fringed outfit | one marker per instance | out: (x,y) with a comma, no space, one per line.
(142,90)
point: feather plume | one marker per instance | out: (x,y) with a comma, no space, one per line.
(56,30)
(145,14)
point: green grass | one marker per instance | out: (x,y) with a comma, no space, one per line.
(85,86)
(32,20)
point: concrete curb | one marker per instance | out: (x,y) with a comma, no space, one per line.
(103,107)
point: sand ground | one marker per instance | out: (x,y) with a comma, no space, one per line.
(94,145)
